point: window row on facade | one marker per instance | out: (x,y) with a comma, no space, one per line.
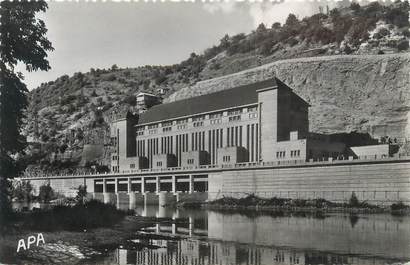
(198,121)
(245,136)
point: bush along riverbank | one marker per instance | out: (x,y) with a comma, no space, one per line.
(252,202)
(91,214)
(73,229)
(71,233)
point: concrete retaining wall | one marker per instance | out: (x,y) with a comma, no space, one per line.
(90,185)
(67,187)
(192,197)
(376,183)
(122,198)
(151,198)
(110,197)
(166,198)
(98,197)
(136,198)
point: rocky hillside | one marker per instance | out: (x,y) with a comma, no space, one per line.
(334,59)
(364,93)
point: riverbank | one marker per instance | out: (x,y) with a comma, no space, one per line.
(274,205)
(69,247)
(71,233)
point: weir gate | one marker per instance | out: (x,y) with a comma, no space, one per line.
(375,180)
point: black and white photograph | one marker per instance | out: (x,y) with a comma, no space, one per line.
(183,132)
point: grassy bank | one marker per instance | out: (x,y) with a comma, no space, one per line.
(353,205)
(92,214)
(71,233)
(91,243)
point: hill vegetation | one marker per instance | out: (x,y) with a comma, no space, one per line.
(69,112)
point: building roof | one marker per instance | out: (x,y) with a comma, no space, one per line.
(146,94)
(229,98)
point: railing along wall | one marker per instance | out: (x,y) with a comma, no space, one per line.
(246,165)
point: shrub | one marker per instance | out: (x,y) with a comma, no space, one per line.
(355,7)
(292,41)
(44,137)
(81,194)
(63,147)
(70,109)
(46,193)
(354,201)
(127,73)
(298,203)
(78,116)
(67,99)
(320,203)
(215,66)
(130,100)
(403,45)
(398,206)
(291,20)
(110,77)
(22,191)
(92,214)
(276,25)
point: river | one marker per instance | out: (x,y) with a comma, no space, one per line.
(200,237)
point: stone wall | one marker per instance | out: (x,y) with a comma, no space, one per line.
(376,182)
(382,183)
(67,186)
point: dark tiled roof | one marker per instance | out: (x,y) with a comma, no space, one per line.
(229,98)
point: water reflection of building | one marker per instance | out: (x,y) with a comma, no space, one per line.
(225,239)
(196,252)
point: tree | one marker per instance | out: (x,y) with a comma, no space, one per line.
(22,190)
(334,14)
(261,28)
(355,7)
(292,20)
(225,43)
(81,194)
(354,201)
(403,45)
(114,67)
(46,193)
(276,25)
(23,40)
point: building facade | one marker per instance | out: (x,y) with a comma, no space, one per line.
(263,121)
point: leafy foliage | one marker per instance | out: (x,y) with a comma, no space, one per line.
(81,194)
(23,36)
(354,201)
(92,214)
(22,191)
(23,40)
(46,193)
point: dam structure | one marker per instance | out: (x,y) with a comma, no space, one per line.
(251,139)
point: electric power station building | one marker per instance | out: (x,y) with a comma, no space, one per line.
(251,139)
(264,121)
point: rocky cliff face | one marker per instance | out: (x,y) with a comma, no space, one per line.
(365,93)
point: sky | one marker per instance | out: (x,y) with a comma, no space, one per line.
(99,34)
